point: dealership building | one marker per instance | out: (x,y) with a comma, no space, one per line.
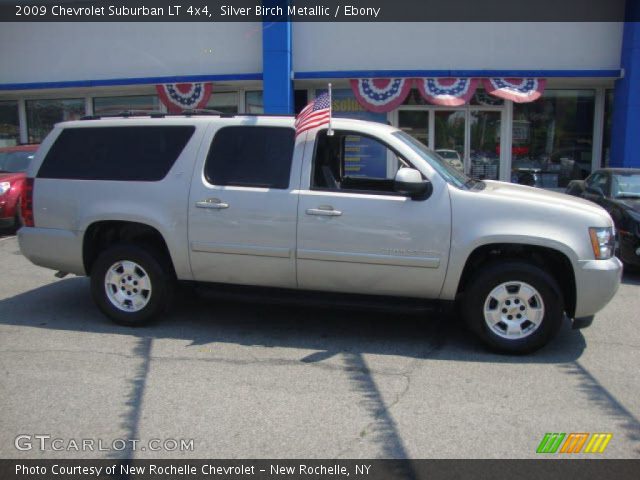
(535,103)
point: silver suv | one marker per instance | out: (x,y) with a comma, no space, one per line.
(137,203)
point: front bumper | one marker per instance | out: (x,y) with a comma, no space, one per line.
(597,281)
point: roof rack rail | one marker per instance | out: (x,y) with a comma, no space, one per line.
(185,113)
(127,114)
(199,111)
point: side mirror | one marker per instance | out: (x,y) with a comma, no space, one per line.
(597,191)
(409,182)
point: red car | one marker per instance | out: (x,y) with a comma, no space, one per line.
(14,162)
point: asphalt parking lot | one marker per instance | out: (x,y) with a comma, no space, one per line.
(256,381)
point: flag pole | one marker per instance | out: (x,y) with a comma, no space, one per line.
(330,130)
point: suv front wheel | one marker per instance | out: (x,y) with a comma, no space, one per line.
(131,285)
(514,307)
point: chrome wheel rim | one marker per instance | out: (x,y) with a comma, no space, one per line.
(513,310)
(128,286)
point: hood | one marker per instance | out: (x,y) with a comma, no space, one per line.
(538,196)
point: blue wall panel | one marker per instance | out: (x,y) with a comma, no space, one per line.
(277,61)
(625,135)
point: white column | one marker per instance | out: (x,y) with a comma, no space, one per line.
(22,121)
(242,107)
(88,105)
(506,141)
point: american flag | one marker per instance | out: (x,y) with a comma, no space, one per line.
(316,114)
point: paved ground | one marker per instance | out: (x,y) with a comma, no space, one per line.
(250,381)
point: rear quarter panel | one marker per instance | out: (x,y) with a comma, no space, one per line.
(73,205)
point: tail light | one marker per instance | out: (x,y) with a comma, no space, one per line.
(27,204)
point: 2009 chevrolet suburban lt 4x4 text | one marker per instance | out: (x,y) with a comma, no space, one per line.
(137,203)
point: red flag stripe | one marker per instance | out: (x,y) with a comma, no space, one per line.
(312,123)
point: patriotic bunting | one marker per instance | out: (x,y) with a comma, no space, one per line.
(519,90)
(184,96)
(381,94)
(451,92)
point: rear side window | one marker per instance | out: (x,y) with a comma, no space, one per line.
(115,153)
(251,157)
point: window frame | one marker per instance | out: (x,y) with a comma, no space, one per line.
(400,157)
(210,181)
(607,182)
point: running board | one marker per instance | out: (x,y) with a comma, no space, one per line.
(282,296)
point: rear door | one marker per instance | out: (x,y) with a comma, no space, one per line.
(243,204)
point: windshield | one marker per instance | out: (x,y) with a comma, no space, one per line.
(444,168)
(626,185)
(14,162)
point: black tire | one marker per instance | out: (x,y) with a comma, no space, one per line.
(495,274)
(160,275)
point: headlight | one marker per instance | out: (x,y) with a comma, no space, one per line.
(603,242)
(4,187)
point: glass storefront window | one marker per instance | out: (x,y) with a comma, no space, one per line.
(480,98)
(42,115)
(415,123)
(552,138)
(449,136)
(112,105)
(9,124)
(483,99)
(484,148)
(225,102)
(608,121)
(414,98)
(254,102)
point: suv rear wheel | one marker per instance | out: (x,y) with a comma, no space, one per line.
(131,285)
(514,307)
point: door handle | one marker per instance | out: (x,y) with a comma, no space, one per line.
(325,211)
(213,203)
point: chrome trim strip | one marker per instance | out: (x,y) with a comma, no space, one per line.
(370,258)
(233,249)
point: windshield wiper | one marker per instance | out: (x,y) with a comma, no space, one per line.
(629,195)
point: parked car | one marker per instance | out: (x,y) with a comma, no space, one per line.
(138,203)
(14,162)
(453,157)
(617,190)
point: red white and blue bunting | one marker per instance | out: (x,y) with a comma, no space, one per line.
(184,96)
(519,90)
(381,94)
(451,92)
